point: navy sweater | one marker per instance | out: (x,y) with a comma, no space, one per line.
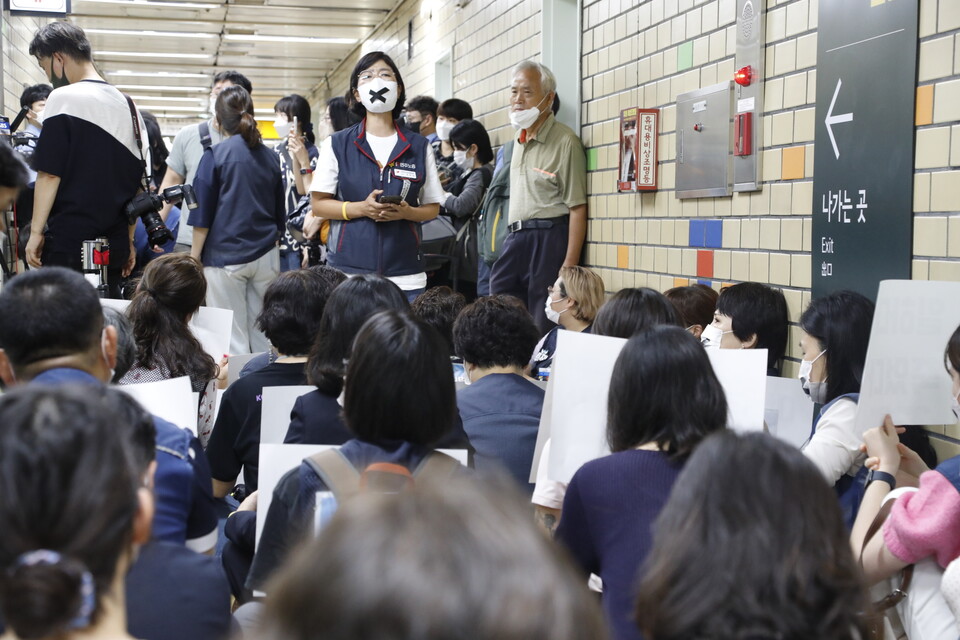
(607,524)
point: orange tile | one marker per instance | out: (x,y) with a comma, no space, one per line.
(792,163)
(724,285)
(681,282)
(623,257)
(924,105)
(705,264)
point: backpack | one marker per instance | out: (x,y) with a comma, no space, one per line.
(345,481)
(494,217)
(206,140)
(465,252)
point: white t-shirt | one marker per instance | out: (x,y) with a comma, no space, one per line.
(327,175)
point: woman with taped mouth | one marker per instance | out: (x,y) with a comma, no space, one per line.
(376,182)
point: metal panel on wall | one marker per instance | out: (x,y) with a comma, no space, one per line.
(864,144)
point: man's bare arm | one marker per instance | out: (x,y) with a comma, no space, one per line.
(577,234)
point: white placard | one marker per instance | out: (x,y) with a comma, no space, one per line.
(275,411)
(543,432)
(170,399)
(904,374)
(743,375)
(578,408)
(213,327)
(789,410)
(278,459)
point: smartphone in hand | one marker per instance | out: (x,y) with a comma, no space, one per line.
(389,199)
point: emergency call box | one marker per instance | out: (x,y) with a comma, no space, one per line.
(705,142)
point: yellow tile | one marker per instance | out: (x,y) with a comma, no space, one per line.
(623,257)
(930,236)
(945,191)
(760,267)
(792,164)
(946,101)
(924,111)
(769,234)
(681,282)
(791,232)
(779,269)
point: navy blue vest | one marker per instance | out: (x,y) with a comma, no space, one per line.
(362,245)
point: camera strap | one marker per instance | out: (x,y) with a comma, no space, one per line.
(144,178)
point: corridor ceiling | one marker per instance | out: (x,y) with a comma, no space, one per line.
(165,53)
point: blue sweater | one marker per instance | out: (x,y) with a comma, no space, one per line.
(241,202)
(607,524)
(501,416)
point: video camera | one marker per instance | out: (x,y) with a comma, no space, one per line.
(147,205)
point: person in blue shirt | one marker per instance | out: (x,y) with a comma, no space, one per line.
(240,219)
(500,408)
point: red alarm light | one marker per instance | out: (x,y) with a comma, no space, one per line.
(744,76)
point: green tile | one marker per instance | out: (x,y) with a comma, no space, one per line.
(685,56)
(592,159)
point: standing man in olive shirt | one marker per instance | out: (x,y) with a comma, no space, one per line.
(548,194)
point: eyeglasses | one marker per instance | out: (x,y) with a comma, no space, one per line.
(383,74)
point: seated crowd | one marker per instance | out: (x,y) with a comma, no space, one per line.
(110,515)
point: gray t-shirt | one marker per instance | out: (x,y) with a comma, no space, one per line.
(184,158)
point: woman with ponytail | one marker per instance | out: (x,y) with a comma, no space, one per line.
(240,219)
(170,292)
(76,504)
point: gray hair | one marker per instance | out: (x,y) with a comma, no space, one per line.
(548,82)
(126,346)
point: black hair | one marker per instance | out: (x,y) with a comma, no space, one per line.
(694,304)
(455,109)
(13,171)
(495,331)
(663,390)
(61,37)
(840,322)
(235,114)
(399,385)
(349,306)
(71,487)
(171,289)
(439,307)
(468,132)
(126,344)
(630,311)
(48,313)
(292,308)
(423,105)
(459,557)
(951,355)
(757,310)
(331,276)
(751,544)
(295,105)
(236,78)
(341,117)
(365,63)
(158,148)
(34,93)
(555,106)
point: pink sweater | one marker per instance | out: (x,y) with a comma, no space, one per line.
(926,522)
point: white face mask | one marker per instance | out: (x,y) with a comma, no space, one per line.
(552,314)
(711,336)
(378,95)
(816,390)
(524,118)
(282,126)
(444,127)
(462,160)
(955,406)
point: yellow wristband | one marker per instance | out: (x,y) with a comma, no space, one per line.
(343,211)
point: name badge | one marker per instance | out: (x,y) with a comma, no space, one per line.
(405,174)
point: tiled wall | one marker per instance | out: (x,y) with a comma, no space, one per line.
(487,38)
(20,69)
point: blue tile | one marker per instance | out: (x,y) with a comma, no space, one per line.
(713,238)
(706,282)
(698,232)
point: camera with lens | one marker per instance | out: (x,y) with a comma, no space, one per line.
(147,205)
